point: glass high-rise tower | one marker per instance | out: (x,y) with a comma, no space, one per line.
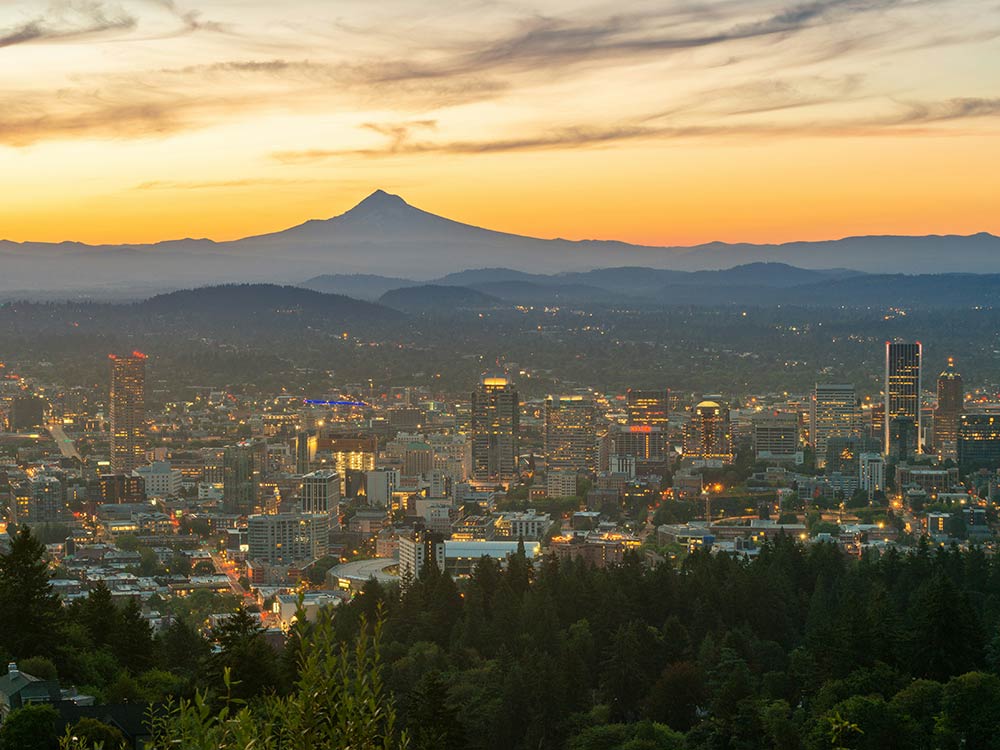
(834,415)
(127,407)
(903,385)
(494,425)
(950,402)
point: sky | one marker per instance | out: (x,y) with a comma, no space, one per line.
(666,123)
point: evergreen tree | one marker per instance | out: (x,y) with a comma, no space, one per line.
(251,663)
(31,617)
(431,719)
(100,616)
(181,649)
(135,639)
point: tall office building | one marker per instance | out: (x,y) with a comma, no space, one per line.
(708,438)
(241,476)
(648,408)
(495,423)
(646,443)
(645,436)
(776,437)
(903,385)
(834,415)
(979,439)
(321,493)
(950,401)
(127,404)
(305,451)
(570,433)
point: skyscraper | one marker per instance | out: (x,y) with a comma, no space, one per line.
(128,412)
(648,408)
(645,436)
(834,415)
(305,451)
(495,423)
(241,474)
(950,401)
(708,439)
(321,493)
(903,386)
(979,439)
(570,433)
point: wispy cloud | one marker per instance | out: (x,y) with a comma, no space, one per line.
(249,182)
(907,123)
(421,78)
(69,20)
(949,110)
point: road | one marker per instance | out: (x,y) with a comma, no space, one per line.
(362,570)
(66,446)
(230,572)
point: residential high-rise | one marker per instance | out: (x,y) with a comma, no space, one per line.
(287,538)
(127,407)
(903,387)
(648,408)
(241,475)
(708,439)
(950,401)
(871,470)
(495,424)
(570,433)
(834,415)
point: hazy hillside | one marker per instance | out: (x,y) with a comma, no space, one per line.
(433,297)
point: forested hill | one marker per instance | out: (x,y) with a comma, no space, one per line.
(799,649)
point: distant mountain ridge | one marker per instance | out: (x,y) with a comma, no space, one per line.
(505,282)
(385,235)
(754,285)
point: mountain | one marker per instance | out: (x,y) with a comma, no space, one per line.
(365,286)
(385,235)
(434,297)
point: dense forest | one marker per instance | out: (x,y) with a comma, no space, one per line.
(800,647)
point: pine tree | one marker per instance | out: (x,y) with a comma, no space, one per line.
(252,664)
(135,639)
(31,617)
(432,720)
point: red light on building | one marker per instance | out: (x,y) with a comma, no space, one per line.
(640,428)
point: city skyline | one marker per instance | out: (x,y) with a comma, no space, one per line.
(758,122)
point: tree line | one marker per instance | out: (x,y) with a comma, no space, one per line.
(798,648)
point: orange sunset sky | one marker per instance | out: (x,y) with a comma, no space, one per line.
(652,122)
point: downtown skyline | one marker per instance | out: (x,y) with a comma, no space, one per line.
(146,120)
